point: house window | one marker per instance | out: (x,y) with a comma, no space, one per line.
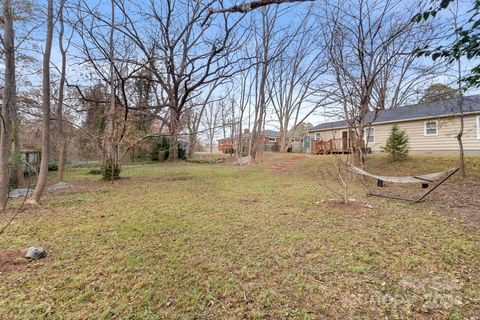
(370,135)
(271,139)
(478,127)
(431,128)
(317,136)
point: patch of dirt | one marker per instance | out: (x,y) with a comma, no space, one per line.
(454,199)
(459,200)
(12,261)
(285,164)
(249,200)
(178,178)
(350,206)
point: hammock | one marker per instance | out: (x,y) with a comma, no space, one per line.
(432,177)
(441,177)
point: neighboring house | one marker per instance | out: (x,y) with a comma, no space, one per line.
(267,140)
(431,128)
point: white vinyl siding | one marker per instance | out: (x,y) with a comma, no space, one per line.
(431,128)
(444,141)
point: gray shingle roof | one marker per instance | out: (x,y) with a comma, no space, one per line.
(418,111)
(266,133)
(270,133)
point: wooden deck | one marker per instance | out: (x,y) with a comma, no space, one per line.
(332,146)
(226,146)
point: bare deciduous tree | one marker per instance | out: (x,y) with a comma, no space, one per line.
(186,48)
(9,100)
(61,139)
(100,45)
(367,43)
(211,121)
(43,173)
(293,76)
(195,114)
(243,98)
(460,100)
(268,48)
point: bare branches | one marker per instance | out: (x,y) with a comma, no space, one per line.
(370,48)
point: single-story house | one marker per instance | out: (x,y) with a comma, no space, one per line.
(267,140)
(431,128)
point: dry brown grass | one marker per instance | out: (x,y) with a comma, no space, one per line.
(200,241)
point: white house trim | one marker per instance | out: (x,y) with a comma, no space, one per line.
(478,127)
(370,132)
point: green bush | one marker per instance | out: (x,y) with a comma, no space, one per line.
(203,161)
(160,150)
(397,144)
(159,145)
(53,166)
(182,154)
(95,172)
(110,171)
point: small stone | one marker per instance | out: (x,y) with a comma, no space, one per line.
(243,160)
(369,206)
(35,253)
(352,200)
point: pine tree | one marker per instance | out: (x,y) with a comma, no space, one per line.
(397,144)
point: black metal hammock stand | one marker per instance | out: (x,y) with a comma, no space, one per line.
(436,179)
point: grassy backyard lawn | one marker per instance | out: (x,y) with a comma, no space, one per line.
(215,241)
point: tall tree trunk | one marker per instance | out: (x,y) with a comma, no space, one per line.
(62,143)
(111,152)
(192,144)
(461,155)
(17,167)
(284,141)
(258,125)
(174,131)
(232,128)
(43,174)
(257,130)
(193,123)
(240,135)
(9,100)
(461,151)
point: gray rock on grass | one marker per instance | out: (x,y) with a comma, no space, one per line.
(243,160)
(36,253)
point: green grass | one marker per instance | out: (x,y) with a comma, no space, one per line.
(205,241)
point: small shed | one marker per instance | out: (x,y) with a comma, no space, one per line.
(31,161)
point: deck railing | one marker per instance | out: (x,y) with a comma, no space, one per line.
(330,146)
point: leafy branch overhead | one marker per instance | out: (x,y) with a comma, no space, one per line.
(466,42)
(249,6)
